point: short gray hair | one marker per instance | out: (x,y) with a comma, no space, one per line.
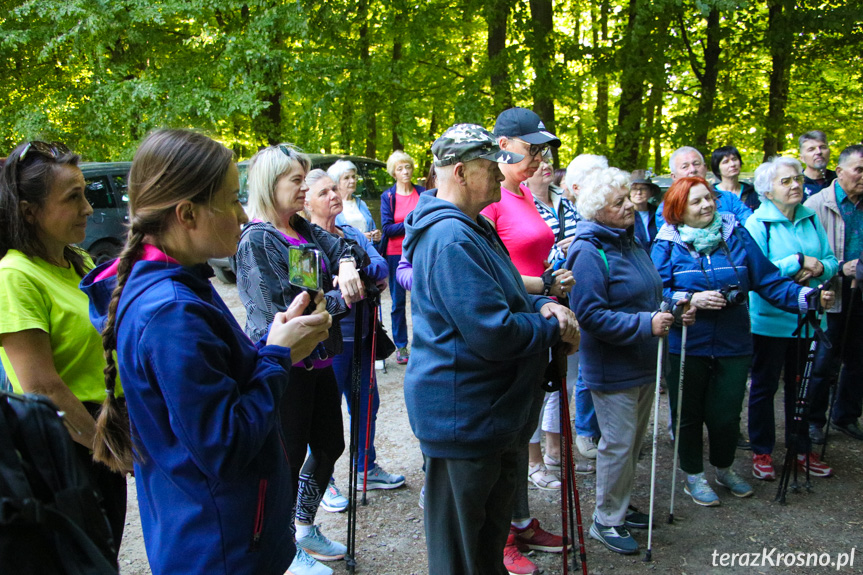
(682,150)
(315,175)
(579,167)
(339,169)
(852,150)
(265,169)
(816,135)
(765,173)
(596,187)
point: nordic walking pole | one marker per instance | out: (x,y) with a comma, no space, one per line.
(356,367)
(371,393)
(572,487)
(677,422)
(648,555)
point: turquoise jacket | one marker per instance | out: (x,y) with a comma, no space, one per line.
(781,241)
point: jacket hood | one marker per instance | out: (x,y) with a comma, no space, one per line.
(768,212)
(597,233)
(144,275)
(669,232)
(429,211)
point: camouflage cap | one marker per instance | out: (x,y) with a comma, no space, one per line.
(466,142)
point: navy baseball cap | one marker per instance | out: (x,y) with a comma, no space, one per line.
(524,124)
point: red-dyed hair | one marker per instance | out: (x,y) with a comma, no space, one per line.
(677,198)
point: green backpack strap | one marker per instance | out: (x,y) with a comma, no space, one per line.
(605,259)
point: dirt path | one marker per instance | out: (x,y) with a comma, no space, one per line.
(390,537)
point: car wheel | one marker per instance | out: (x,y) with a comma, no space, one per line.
(226,276)
(104,250)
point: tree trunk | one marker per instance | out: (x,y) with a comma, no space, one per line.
(542,56)
(497,14)
(601,112)
(347,125)
(368,103)
(712,50)
(781,44)
(396,72)
(632,74)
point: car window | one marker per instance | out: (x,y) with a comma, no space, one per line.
(121,185)
(99,194)
(373,180)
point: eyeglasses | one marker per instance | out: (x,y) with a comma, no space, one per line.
(534,149)
(52,150)
(787,181)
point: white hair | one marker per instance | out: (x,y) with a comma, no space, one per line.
(682,150)
(766,172)
(579,168)
(339,169)
(597,187)
(315,175)
(265,169)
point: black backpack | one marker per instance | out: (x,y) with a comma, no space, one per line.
(51,519)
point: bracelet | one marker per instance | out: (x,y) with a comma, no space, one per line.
(841,271)
(801,258)
(348,259)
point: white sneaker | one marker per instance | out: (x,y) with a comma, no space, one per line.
(586,446)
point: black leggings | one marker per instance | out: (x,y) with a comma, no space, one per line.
(311,413)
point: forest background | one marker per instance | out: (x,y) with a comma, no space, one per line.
(630,79)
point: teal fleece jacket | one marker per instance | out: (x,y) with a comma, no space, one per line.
(781,240)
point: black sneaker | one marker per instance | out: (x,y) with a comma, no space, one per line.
(635,519)
(850,429)
(743,443)
(816,434)
(616,538)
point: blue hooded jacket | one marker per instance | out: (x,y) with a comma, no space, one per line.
(479,345)
(737,260)
(214,485)
(614,303)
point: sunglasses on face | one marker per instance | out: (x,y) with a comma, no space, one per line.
(535,149)
(52,150)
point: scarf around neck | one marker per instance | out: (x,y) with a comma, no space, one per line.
(704,240)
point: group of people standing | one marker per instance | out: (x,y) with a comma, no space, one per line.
(240,428)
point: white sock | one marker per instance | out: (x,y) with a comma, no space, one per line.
(522,523)
(303,530)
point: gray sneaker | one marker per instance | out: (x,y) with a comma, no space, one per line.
(320,547)
(379,479)
(700,491)
(728,478)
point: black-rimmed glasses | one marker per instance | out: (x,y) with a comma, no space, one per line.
(534,149)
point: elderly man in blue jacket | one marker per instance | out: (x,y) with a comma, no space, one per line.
(480,345)
(686,162)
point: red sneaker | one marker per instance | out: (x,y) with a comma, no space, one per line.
(817,468)
(762,466)
(514,561)
(536,538)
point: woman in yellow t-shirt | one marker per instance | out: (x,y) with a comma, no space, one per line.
(49,347)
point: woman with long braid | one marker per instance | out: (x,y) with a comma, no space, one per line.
(203,427)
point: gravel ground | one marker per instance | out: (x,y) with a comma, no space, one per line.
(390,538)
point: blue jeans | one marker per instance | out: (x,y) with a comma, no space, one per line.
(342,364)
(397,315)
(585,415)
(849,393)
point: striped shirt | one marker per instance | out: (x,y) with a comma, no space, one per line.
(570,219)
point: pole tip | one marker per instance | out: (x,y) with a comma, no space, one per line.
(648,556)
(671,518)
